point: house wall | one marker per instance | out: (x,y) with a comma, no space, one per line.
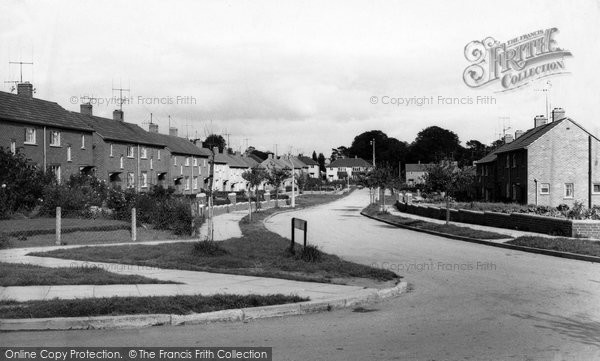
(181,173)
(511,177)
(55,155)
(559,157)
(417,177)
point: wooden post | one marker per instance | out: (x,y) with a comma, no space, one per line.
(58,225)
(305,232)
(133,225)
(292,245)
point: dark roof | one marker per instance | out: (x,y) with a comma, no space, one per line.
(521,142)
(116,130)
(36,111)
(307,160)
(250,161)
(418,167)
(237,161)
(222,158)
(179,145)
(350,162)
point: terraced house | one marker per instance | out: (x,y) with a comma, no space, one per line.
(52,137)
(551,164)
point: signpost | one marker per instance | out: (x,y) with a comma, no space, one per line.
(302,225)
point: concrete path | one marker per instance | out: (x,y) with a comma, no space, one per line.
(192,283)
(226,226)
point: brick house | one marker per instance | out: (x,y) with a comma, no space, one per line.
(552,163)
(347,167)
(415,173)
(188,166)
(46,133)
(124,154)
(313,167)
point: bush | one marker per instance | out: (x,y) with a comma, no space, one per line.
(4,241)
(209,248)
(310,253)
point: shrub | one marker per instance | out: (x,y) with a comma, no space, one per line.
(310,253)
(209,248)
(4,241)
(120,202)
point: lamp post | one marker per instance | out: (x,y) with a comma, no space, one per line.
(373,144)
(293,181)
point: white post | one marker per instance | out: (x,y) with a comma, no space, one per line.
(58,225)
(133,225)
(293,181)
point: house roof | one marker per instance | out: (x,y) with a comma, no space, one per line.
(250,161)
(307,160)
(179,145)
(522,142)
(349,162)
(236,161)
(20,108)
(117,130)
(416,167)
(276,163)
(222,158)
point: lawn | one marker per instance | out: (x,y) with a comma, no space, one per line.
(572,245)
(15,274)
(180,305)
(258,252)
(451,229)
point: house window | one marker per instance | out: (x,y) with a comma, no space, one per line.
(569,190)
(30,137)
(151,163)
(195,162)
(121,162)
(180,169)
(130,180)
(144,179)
(187,161)
(55,169)
(175,160)
(204,163)
(507,161)
(69,153)
(187,183)
(143,153)
(195,182)
(82,141)
(130,151)
(596,188)
(545,188)
(55,138)
(13,146)
(514,161)
(158,154)
(111,150)
(507,190)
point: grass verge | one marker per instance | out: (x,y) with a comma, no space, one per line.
(258,252)
(373,210)
(180,305)
(579,246)
(14,274)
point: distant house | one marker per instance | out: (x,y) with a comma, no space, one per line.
(415,173)
(345,168)
(552,163)
(52,137)
(313,167)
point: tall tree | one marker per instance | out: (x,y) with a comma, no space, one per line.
(275,177)
(339,152)
(388,151)
(214,140)
(434,144)
(254,177)
(321,161)
(314,156)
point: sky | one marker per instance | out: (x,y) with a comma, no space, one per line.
(297,75)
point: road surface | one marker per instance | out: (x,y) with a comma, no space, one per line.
(467,302)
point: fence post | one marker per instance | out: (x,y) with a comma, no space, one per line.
(133,224)
(58,225)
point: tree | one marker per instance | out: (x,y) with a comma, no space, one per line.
(275,177)
(339,152)
(254,177)
(301,180)
(321,161)
(21,183)
(389,152)
(314,156)
(214,140)
(448,178)
(434,144)
(475,150)
(382,178)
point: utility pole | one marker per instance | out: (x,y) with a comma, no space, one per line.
(293,181)
(373,144)
(546,92)
(210,225)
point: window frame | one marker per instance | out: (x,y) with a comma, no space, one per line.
(566,187)
(52,138)
(122,162)
(130,180)
(542,187)
(13,146)
(34,133)
(69,153)
(143,152)
(83,141)
(110,150)
(594,184)
(130,148)
(144,179)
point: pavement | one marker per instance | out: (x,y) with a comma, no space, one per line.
(226,226)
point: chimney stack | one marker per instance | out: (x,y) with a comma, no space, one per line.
(118,115)
(508,138)
(539,120)
(153,128)
(558,114)
(518,133)
(216,150)
(25,89)
(173,131)
(85,108)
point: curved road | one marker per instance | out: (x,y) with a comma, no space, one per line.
(467,302)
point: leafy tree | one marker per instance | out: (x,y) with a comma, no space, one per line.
(382,178)
(434,144)
(339,152)
(475,150)
(214,140)
(254,177)
(302,180)
(21,183)
(495,145)
(321,161)
(448,178)
(314,156)
(275,177)
(389,152)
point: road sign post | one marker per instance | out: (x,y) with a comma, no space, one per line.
(302,225)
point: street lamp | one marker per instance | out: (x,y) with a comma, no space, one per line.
(293,181)
(372,142)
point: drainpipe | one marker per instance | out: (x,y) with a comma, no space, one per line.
(590,184)
(138,168)
(45,150)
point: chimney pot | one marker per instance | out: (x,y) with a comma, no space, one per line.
(25,89)
(216,150)
(85,108)
(118,115)
(518,133)
(153,128)
(539,120)
(558,114)
(508,138)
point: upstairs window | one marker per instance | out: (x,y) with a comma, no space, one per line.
(69,153)
(130,151)
(195,162)
(110,152)
(54,138)
(13,146)
(82,141)
(158,154)
(143,153)
(596,188)
(30,136)
(569,190)
(151,163)
(121,162)
(187,161)
(174,160)
(130,180)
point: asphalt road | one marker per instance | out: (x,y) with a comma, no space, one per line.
(467,302)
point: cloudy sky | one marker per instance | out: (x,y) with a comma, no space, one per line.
(300,74)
